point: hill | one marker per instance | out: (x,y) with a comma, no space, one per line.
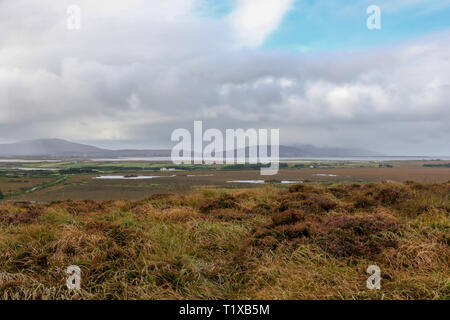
(306,242)
(63,148)
(46,147)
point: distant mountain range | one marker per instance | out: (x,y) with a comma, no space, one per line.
(63,148)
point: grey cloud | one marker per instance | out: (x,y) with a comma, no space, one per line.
(124,77)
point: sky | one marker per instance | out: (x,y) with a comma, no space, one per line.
(136,70)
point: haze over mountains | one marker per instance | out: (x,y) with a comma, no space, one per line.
(63,148)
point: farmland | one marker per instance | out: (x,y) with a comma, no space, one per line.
(76,180)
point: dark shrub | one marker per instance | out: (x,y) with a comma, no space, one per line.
(31,215)
(297,188)
(362,202)
(262,208)
(287,217)
(225,201)
(389,194)
(357,236)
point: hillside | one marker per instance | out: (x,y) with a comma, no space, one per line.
(63,148)
(46,147)
(305,242)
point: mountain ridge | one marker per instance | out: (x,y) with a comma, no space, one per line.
(64,148)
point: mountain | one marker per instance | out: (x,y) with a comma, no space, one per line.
(46,147)
(308,151)
(313,151)
(63,148)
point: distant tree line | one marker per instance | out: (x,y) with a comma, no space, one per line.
(437,165)
(250,166)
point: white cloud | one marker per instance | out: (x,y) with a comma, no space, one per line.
(255,20)
(128,77)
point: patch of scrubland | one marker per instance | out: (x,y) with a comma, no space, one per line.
(305,242)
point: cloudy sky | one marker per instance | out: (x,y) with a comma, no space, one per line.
(138,69)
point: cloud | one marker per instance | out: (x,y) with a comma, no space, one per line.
(255,20)
(126,79)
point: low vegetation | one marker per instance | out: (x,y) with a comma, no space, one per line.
(309,241)
(437,165)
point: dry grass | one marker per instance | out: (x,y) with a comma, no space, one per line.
(308,242)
